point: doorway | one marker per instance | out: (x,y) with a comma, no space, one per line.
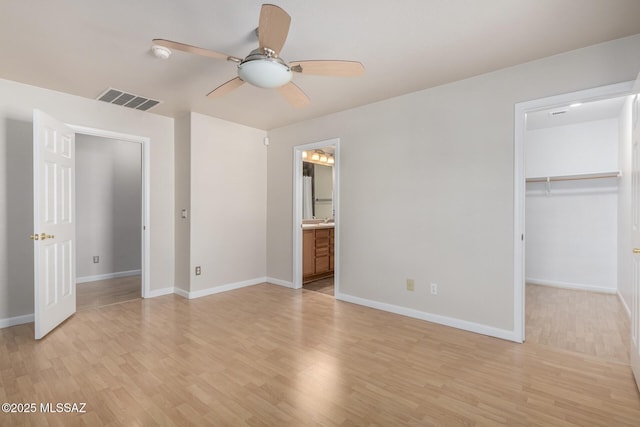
(524,112)
(54,214)
(118,281)
(108,221)
(316,216)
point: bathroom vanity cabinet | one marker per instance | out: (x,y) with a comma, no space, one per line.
(317,253)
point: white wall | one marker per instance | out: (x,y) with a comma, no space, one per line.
(108,206)
(228,203)
(440,206)
(183,201)
(17,102)
(572,149)
(625,244)
(572,230)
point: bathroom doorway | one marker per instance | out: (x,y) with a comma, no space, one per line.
(316,217)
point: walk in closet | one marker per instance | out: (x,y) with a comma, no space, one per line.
(572,179)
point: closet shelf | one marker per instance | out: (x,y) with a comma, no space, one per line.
(596,175)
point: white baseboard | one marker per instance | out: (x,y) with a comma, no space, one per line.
(160,292)
(624,304)
(218,289)
(108,276)
(567,285)
(434,318)
(18,320)
(279,282)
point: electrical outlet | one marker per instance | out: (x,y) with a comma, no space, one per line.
(434,289)
(96,259)
(410,285)
(198,270)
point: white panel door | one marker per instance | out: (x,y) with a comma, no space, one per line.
(635,233)
(54,223)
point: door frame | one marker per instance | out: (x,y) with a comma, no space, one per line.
(146,181)
(519,190)
(297,210)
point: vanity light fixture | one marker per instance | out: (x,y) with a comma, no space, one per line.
(318,157)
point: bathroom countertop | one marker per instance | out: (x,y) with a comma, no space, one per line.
(318,225)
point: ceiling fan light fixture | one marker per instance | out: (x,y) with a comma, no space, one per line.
(264,71)
(161,51)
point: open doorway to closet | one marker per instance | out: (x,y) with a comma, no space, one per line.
(109,220)
(575,172)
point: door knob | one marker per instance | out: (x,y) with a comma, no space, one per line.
(34,237)
(44,236)
(636,250)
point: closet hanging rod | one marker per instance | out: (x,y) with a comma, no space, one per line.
(597,175)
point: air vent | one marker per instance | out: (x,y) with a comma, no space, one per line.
(120,97)
(557,112)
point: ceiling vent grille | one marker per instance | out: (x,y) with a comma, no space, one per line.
(120,97)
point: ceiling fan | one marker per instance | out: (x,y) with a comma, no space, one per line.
(263,67)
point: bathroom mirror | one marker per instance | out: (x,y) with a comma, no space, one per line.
(317,191)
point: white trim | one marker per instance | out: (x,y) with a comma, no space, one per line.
(160,292)
(17,320)
(520,111)
(434,318)
(624,304)
(146,195)
(106,276)
(297,209)
(218,289)
(569,285)
(279,282)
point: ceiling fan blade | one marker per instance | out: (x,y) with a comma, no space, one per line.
(225,88)
(328,68)
(273,27)
(294,95)
(194,49)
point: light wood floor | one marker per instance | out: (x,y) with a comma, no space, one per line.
(583,322)
(270,356)
(106,292)
(324,286)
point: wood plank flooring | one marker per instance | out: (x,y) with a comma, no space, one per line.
(584,322)
(324,286)
(106,292)
(271,356)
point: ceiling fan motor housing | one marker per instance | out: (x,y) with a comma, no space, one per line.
(264,70)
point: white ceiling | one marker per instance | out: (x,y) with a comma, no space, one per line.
(85,46)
